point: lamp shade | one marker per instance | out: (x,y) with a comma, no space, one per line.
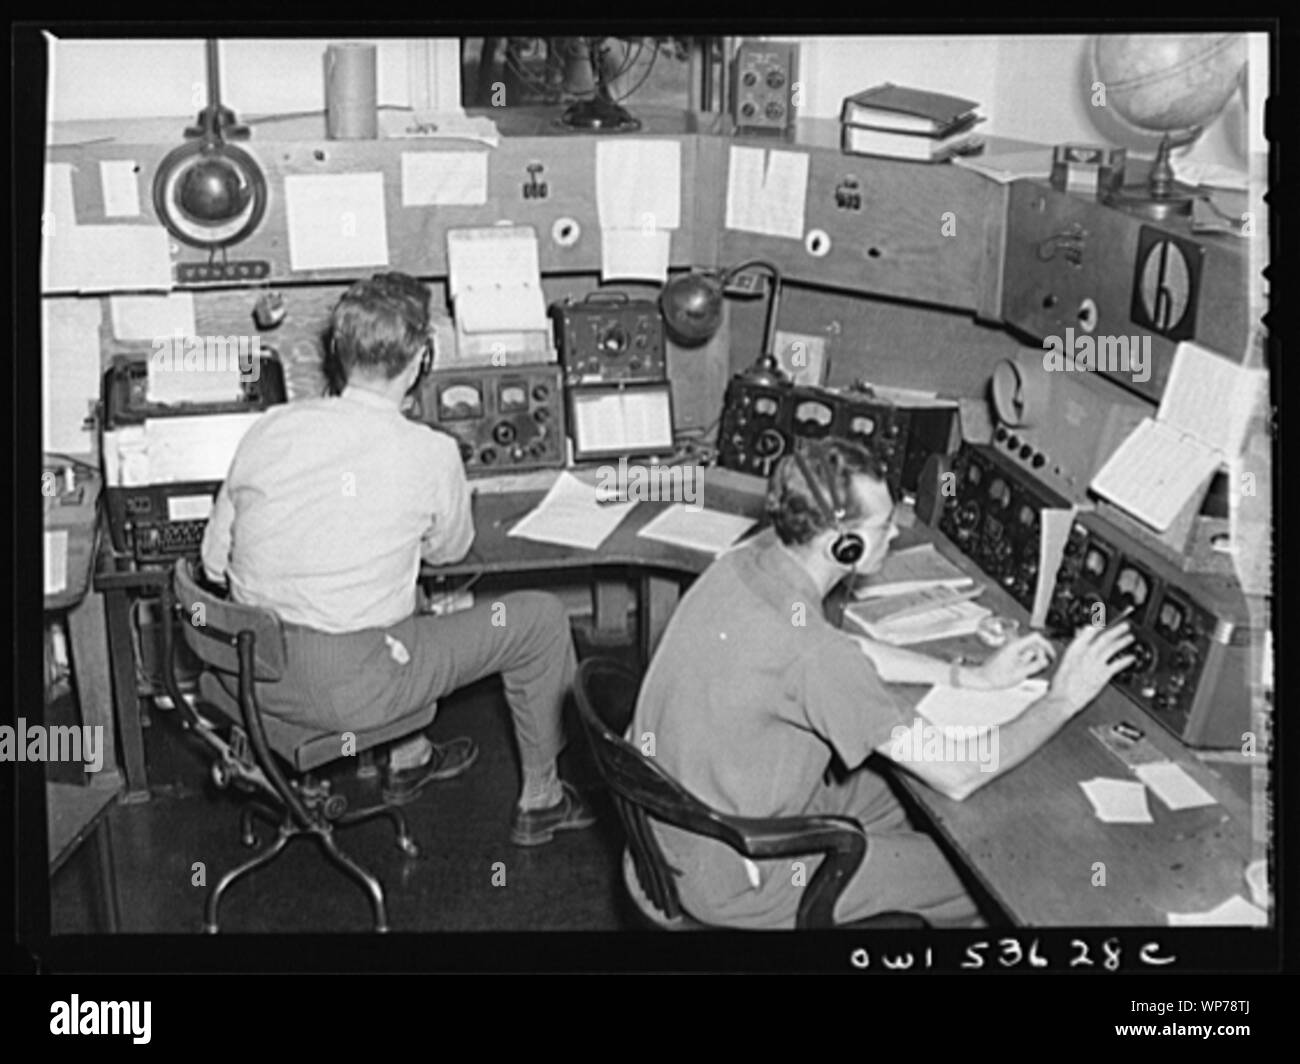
(692,308)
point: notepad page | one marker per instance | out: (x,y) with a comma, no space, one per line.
(1209,397)
(1155,472)
(711,531)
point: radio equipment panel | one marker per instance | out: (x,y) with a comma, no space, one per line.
(760,423)
(126,393)
(158,523)
(762,86)
(608,338)
(993,514)
(503,418)
(1192,637)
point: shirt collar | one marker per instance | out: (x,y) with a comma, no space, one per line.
(368,398)
(772,558)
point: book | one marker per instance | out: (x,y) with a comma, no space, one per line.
(865,140)
(874,612)
(900,109)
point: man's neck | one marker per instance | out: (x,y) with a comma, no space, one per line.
(389,390)
(823,572)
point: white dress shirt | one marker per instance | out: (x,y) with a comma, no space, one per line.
(328,508)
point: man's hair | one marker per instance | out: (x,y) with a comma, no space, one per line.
(791,506)
(379,324)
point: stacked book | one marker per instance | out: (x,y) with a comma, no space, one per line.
(903,123)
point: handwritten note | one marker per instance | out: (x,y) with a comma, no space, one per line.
(767,191)
(336,220)
(442,178)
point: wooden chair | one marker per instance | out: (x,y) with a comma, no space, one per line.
(606,695)
(241,646)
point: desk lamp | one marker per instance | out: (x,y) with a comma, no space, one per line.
(692,309)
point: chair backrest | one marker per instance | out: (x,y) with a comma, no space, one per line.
(211,627)
(606,694)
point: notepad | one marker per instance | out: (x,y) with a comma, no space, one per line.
(1118,801)
(495,279)
(710,531)
(961,707)
(910,570)
(1201,424)
(572,515)
(1173,786)
(1235,912)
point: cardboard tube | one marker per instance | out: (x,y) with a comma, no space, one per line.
(351,92)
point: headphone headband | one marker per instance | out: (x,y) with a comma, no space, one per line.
(848,547)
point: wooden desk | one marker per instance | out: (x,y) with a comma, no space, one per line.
(74,814)
(84,608)
(659,568)
(1033,841)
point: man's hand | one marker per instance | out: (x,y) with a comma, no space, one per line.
(1089,663)
(1014,663)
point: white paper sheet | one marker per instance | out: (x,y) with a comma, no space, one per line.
(959,707)
(710,531)
(70,372)
(1055,524)
(1235,912)
(945,623)
(172,383)
(639,184)
(495,279)
(1209,397)
(124,257)
(1118,801)
(572,515)
(336,220)
(767,191)
(634,255)
(172,449)
(121,188)
(56,561)
(152,317)
(910,570)
(60,262)
(440,178)
(635,420)
(1173,786)
(1155,472)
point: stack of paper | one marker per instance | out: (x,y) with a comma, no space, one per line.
(572,515)
(946,622)
(711,531)
(638,200)
(913,569)
(1200,425)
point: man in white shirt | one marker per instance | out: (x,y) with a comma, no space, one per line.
(328,509)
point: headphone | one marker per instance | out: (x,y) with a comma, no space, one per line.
(849,547)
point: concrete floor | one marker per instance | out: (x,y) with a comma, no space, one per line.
(462,827)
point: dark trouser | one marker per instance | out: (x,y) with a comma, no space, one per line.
(364,679)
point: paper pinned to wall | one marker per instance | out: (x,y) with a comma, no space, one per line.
(56,561)
(495,279)
(634,255)
(767,191)
(336,220)
(639,184)
(117,180)
(70,372)
(152,317)
(60,262)
(444,178)
(119,258)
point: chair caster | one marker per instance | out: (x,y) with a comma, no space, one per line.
(335,806)
(408,846)
(250,840)
(220,775)
(210,929)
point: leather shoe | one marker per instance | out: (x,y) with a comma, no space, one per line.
(447,761)
(535,827)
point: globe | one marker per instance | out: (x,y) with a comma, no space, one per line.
(692,308)
(1171,84)
(1168,83)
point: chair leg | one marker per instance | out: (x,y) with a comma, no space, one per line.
(251,865)
(405,841)
(247,835)
(372,885)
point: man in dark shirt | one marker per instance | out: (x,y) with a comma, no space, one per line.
(751,693)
